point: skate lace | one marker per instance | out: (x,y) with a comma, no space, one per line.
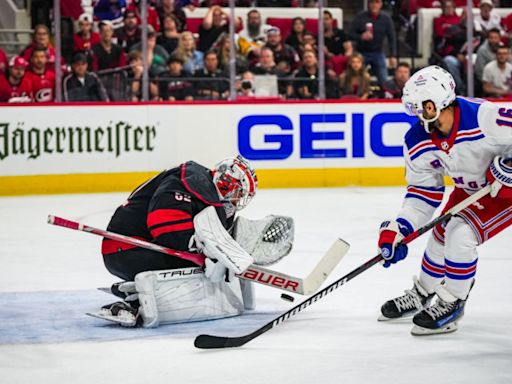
(439,309)
(408,301)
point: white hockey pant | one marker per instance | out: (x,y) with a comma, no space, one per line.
(185,295)
(455,261)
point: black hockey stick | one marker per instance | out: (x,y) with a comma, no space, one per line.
(210,342)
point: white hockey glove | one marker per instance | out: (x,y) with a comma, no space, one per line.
(499,175)
(267,240)
(212,239)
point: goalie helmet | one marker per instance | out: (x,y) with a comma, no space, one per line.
(433,84)
(236,181)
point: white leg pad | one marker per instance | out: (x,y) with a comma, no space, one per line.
(185,295)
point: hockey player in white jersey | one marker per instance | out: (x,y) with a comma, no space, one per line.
(469,140)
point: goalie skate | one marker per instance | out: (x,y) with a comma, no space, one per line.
(407,305)
(120,313)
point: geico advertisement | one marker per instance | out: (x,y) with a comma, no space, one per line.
(125,138)
(339,135)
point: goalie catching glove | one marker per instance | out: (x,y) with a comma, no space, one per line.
(267,240)
(391,234)
(499,175)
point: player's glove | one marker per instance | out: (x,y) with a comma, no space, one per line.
(390,235)
(499,175)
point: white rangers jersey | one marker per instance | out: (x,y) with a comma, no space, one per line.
(481,131)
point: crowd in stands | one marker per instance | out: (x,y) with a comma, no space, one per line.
(105,62)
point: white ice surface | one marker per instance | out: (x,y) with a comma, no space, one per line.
(336,340)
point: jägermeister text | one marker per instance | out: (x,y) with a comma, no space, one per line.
(116,138)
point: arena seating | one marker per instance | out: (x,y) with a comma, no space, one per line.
(279,17)
(426,30)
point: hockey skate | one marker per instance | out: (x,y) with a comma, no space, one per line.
(123,313)
(404,306)
(441,317)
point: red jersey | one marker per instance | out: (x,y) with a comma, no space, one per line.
(3,62)
(9,91)
(43,86)
(80,45)
(50,54)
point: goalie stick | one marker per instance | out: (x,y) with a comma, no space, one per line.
(254,273)
(211,342)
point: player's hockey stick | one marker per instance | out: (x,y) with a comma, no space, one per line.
(210,342)
(255,273)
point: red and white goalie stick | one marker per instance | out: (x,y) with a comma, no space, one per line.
(256,273)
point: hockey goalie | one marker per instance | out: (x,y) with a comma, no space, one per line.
(190,208)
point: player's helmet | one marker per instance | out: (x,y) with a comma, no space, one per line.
(236,181)
(431,83)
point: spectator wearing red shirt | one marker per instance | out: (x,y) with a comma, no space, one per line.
(106,54)
(3,61)
(85,38)
(15,86)
(41,39)
(152,15)
(42,78)
(443,24)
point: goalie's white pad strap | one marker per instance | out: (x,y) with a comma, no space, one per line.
(267,240)
(216,243)
(184,295)
(248,294)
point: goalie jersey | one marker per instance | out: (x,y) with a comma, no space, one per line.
(162,210)
(481,130)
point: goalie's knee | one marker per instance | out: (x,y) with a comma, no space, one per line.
(184,295)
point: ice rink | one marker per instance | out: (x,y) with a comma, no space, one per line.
(49,276)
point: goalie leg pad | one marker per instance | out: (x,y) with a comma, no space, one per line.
(185,295)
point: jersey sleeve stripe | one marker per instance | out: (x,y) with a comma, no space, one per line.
(171,228)
(431,196)
(421,147)
(160,216)
(405,223)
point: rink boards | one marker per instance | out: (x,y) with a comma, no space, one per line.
(113,147)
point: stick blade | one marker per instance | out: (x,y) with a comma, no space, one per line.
(330,260)
(216,342)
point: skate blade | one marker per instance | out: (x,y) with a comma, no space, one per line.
(128,320)
(403,319)
(420,331)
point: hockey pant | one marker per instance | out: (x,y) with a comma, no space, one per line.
(451,250)
(128,261)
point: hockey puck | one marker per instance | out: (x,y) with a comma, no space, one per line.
(286,297)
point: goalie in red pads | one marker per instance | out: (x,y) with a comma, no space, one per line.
(188,208)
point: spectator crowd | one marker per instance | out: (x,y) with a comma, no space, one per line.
(104,62)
